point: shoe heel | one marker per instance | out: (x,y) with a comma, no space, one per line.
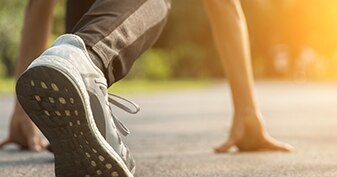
(54,104)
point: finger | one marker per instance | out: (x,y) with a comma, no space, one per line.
(4,143)
(44,143)
(33,144)
(282,147)
(225,147)
(277,146)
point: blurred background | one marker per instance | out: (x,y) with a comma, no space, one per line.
(290,39)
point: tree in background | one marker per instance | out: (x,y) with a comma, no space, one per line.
(296,36)
(11,13)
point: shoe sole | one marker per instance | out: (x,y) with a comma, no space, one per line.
(54,103)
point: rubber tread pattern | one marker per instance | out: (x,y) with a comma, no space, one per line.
(77,151)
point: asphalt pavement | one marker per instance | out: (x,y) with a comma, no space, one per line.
(175,132)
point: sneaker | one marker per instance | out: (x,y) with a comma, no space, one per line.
(65,95)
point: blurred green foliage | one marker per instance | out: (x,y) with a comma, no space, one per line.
(186,50)
(153,65)
(11,17)
(188,40)
(58,20)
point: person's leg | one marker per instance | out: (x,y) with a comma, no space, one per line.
(232,41)
(75,9)
(64,91)
(35,33)
(117,33)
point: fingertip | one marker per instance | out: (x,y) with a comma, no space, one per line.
(33,146)
(221,149)
(289,148)
(281,147)
(37,148)
(44,144)
(216,150)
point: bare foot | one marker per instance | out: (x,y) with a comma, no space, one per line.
(23,132)
(248,134)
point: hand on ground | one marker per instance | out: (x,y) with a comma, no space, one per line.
(23,132)
(248,134)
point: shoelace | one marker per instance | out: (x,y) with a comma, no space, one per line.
(112,98)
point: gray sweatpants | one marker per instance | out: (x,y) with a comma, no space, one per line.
(116,32)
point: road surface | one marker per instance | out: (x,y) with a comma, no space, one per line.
(175,132)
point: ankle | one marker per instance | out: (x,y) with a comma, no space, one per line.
(95,59)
